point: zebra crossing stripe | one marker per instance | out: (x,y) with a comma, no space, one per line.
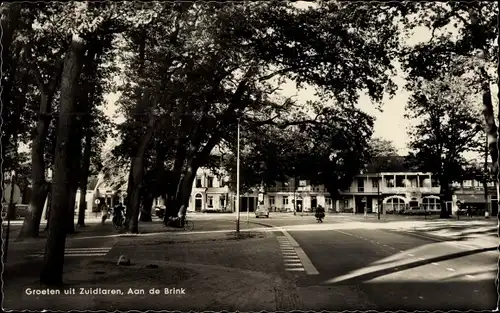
(295,269)
(73,252)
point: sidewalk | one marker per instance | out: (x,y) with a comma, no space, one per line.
(217,271)
(373,217)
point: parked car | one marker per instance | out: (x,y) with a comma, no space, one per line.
(160,211)
(262,211)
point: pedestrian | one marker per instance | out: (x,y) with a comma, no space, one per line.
(469,211)
(365,211)
(104,211)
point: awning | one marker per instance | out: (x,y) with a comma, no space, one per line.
(471,198)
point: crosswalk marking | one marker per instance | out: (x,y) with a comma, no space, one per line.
(79,252)
(291,260)
(291,263)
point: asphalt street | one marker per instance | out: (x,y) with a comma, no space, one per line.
(388,270)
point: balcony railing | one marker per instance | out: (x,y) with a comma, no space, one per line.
(280,189)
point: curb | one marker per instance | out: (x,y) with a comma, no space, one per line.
(304,259)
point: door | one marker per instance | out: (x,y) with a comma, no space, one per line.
(251,204)
(314,203)
(197,205)
(300,206)
(494,207)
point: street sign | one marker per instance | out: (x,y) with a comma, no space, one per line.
(8,190)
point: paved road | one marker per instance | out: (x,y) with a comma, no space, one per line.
(364,267)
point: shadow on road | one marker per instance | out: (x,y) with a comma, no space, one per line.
(378,273)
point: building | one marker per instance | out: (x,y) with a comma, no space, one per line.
(471,194)
(395,191)
(209,193)
(389,182)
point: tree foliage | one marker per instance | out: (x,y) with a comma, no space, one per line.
(449,126)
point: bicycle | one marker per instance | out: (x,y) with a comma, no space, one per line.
(188,225)
(118,221)
(175,223)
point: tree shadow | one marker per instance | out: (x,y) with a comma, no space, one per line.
(378,273)
(460,232)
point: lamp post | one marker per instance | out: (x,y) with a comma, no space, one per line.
(294,189)
(238,181)
(378,195)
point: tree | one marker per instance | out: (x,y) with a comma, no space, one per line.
(241,47)
(476,31)
(54,251)
(449,126)
(382,148)
(328,149)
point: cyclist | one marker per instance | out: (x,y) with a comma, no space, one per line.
(118,212)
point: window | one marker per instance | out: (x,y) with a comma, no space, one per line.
(375,183)
(285,200)
(198,182)
(395,205)
(210,201)
(210,182)
(390,183)
(222,201)
(434,182)
(361,184)
(314,202)
(400,181)
(430,204)
(328,201)
(271,201)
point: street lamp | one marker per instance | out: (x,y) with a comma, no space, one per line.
(378,195)
(294,189)
(238,181)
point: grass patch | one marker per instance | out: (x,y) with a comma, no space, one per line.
(245,235)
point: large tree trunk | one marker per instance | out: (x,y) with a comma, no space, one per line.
(75,169)
(9,12)
(491,128)
(184,189)
(52,270)
(31,224)
(70,225)
(137,170)
(147,206)
(130,189)
(49,204)
(135,197)
(84,179)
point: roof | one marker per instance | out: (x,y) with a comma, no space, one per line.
(388,164)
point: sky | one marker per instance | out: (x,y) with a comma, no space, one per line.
(390,123)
